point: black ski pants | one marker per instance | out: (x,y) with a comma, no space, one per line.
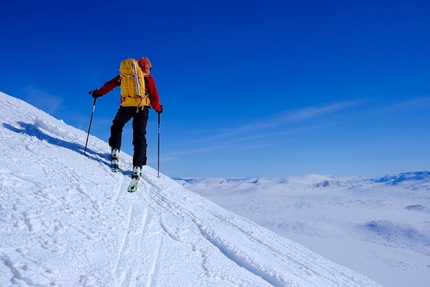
(140,119)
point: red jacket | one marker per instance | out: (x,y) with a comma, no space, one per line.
(151,89)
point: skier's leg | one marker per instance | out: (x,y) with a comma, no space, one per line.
(139,137)
(123,115)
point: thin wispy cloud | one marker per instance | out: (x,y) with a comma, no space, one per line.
(281,133)
(387,107)
(414,104)
(303,114)
(260,135)
(190,151)
(231,146)
(279,120)
(43,100)
(315,111)
(257,135)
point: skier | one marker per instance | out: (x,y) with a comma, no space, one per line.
(132,107)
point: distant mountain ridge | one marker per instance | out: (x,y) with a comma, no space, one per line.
(309,181)
(405,176)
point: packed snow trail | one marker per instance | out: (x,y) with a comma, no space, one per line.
(67,220)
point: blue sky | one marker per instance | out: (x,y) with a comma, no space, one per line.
(249,88)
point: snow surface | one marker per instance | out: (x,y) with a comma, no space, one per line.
(67,220)
(380,228)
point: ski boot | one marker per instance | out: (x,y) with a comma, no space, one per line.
(114,166)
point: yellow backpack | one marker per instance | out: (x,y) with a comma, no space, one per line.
(133,92)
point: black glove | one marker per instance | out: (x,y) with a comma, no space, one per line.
(161,109)
(94,94)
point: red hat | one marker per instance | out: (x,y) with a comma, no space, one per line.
(145,64)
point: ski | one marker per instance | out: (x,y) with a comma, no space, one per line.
(135,176)
(115,168)
(134,185)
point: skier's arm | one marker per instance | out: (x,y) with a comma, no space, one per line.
(154,97)
(109,86)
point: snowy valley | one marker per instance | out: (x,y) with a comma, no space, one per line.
(378,227)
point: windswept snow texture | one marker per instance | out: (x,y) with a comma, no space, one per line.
(67,220)
(379,227)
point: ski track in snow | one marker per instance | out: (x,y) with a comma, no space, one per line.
(67,220)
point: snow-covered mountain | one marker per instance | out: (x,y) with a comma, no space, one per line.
(378,227)
(67,220)
(416,177)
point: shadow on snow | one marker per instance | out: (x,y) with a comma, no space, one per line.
(34,130)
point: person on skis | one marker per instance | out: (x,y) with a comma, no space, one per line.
(136,107)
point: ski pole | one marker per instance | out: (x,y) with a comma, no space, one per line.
(136,82)
(89,127)
(159,144)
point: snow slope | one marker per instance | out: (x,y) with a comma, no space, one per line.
(67,220)
(380,228)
